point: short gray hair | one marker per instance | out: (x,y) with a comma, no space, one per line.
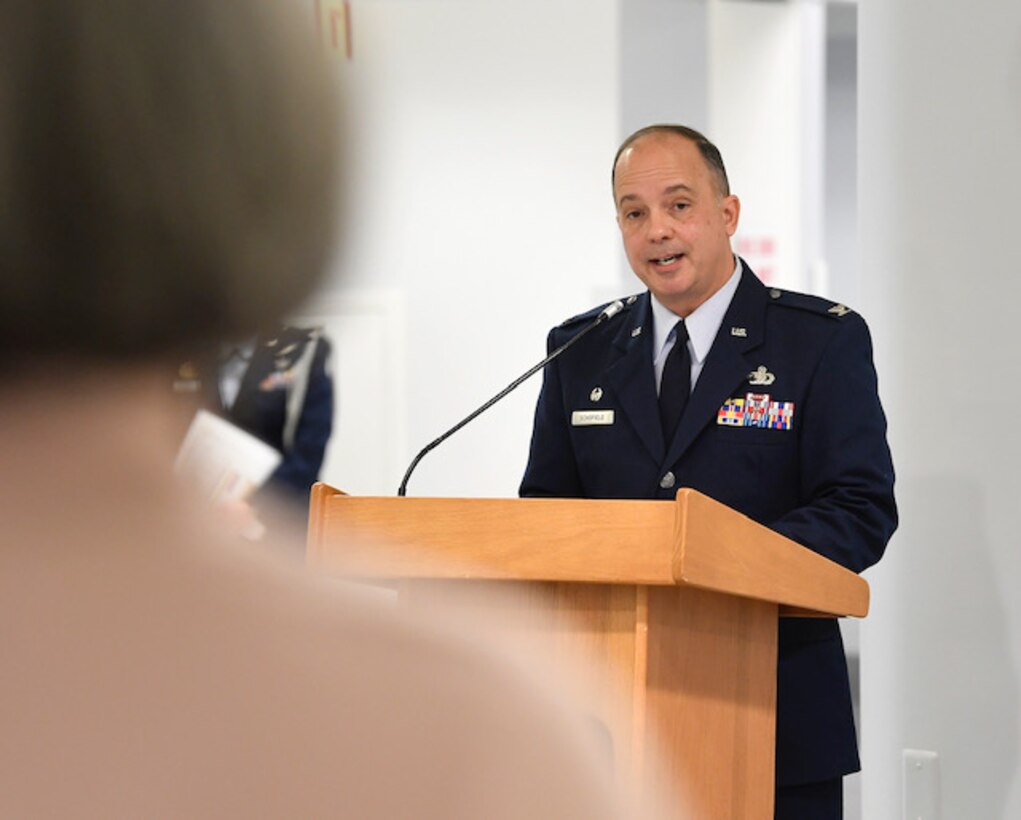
(710,153)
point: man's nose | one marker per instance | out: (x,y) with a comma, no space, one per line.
(659,226)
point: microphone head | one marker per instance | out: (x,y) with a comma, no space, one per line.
(611,310)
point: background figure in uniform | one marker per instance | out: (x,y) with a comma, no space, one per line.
(168,178)
(278,387)
(763,399)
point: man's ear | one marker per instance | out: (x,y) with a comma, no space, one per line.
(731,208)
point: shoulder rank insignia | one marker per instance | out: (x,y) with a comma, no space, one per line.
(813,304)
(756,410)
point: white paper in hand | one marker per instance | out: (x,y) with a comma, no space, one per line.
(225,463)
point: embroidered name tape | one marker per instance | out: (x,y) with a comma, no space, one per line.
(589,418)
(757,410)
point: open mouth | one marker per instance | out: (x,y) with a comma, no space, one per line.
(667,260)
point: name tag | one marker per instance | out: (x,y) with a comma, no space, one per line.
(587,418)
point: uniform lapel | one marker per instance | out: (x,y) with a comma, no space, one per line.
(726,367)
(632,380)
(260,364)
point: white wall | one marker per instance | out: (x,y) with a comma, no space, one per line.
(840,281)
(664,65)
(484,132)
(939,140)
(766,69)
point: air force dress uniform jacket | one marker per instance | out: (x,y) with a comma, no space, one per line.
(286,399)
(784,425)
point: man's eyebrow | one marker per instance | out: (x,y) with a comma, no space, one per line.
(672,189)
(680,186)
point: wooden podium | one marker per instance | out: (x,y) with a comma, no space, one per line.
(675,602)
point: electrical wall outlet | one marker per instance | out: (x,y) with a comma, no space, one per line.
(921,785)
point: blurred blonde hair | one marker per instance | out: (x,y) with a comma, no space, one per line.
(167,172)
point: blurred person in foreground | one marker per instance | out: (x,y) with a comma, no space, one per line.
(166,172)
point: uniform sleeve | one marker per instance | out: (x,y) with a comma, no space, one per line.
(551,470)
(848,512)
(300,467)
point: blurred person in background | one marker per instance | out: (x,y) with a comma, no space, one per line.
(167,177)
(276,385)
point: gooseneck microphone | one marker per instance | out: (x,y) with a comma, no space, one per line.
(608,312)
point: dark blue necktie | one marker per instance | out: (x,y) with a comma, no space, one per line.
(675,386)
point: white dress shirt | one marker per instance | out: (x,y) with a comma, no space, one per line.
(702,324)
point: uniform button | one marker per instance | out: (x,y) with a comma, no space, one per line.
(667,481)
(775,294)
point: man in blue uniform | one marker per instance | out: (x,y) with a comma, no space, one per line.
(764,399)
(278,387)
(282,392)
